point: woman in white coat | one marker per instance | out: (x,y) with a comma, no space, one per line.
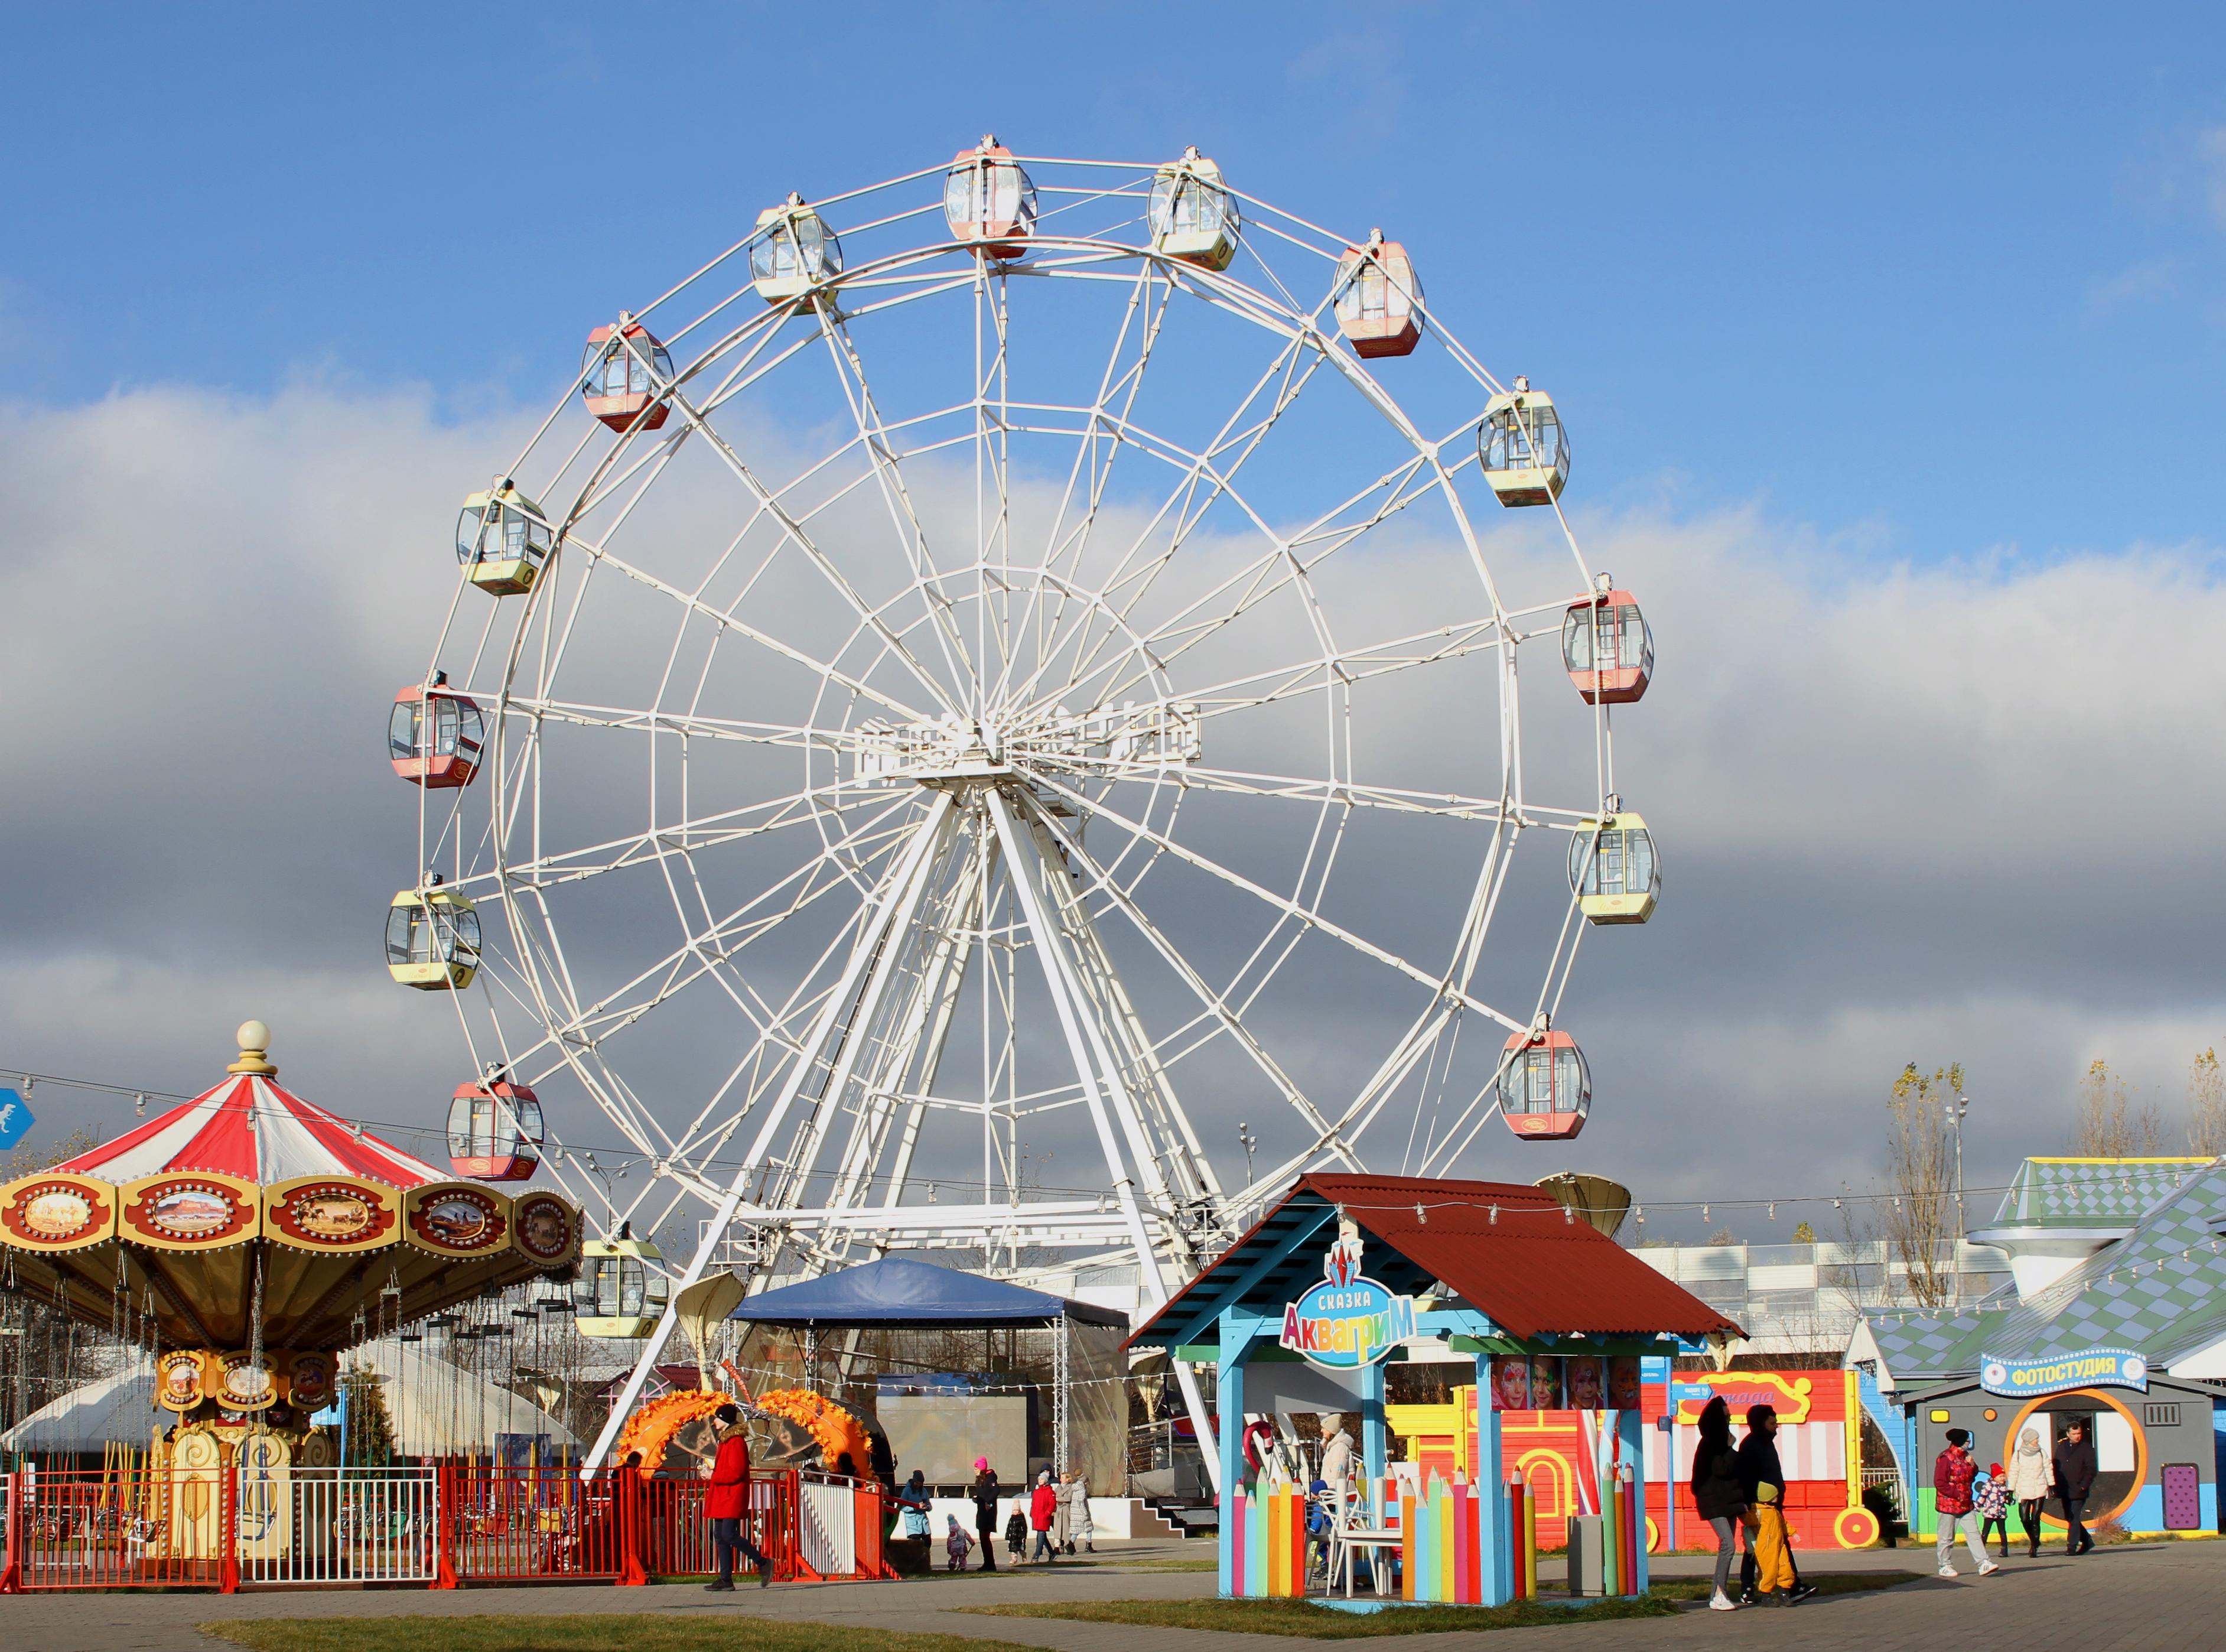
(2029,1475)
(1074,1499)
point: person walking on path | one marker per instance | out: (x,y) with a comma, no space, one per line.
(955,1542)
(726,1503)
(1062,1515)
(1953,1472)
(1074,1497)
(2074,1467)
(1043,1510)
(1763,1481)
(1990,1498)
(2029,1478)
(1717,1495)
(1016,1530)
(984,1494)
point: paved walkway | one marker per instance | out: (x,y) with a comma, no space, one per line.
(2161,1597)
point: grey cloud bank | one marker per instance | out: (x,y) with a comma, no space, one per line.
(1949,811)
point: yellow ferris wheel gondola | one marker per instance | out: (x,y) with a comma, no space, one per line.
(1613,869)
(1193,215)
(617,1293)
(432,939)
(791,252)
(1524,447)
(502,539)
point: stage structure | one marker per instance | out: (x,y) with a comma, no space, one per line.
(984,664)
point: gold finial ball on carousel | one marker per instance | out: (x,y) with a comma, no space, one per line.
(254,1049)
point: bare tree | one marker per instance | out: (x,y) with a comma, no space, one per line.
(1919,1213)
(2110,1126)
(2206,1105)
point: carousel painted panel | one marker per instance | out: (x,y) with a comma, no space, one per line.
(184,1210)
(457,1219)
(546,1229)
(56,1210)
(332,1213)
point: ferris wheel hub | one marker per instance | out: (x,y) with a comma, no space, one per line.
(1154,736)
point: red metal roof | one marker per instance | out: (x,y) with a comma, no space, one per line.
(1535,1271)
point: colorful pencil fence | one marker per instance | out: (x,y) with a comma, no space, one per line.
(1269,1544)
(1440,1544)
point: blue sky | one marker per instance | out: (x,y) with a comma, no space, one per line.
(1944,279)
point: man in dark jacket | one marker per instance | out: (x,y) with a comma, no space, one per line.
(726,1504)
(2074,1463)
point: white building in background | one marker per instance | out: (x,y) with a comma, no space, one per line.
(1807,1298)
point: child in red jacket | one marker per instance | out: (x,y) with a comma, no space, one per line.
(1952,1474)
(1043,1508)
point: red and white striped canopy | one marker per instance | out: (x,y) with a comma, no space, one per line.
(248,1128)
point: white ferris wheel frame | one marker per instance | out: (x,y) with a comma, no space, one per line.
(924,862)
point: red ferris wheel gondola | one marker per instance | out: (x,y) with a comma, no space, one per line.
(434,736)
(1544,1090)
(1606,648)
(621,373)
(494,1131)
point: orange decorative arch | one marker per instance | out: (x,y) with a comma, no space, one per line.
(2101,1398)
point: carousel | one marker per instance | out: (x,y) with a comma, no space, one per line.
(245,1239)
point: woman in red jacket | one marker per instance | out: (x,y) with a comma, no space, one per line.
(726,1504)
(1043,1508)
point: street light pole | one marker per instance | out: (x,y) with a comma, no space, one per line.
(1955,1242)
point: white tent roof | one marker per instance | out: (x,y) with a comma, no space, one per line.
(436,1409)
(120,1407)
(433,1408)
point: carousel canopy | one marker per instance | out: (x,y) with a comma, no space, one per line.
(249,1198)
(248,1128)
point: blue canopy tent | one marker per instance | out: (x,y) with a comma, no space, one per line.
(898,1291)
(929,1417)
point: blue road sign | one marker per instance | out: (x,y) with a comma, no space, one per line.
(15,1119)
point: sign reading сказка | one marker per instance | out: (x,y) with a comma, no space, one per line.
(1346,1321)
(2092,1368)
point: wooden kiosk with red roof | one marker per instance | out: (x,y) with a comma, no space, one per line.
(1340,1279)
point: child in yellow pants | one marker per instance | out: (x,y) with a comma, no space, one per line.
(1773,1558)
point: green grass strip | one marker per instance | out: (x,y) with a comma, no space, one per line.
(579,1632)
(1304,1619)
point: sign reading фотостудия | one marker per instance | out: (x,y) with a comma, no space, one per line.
(2092,1368)
(1346,1321)
(15,1119)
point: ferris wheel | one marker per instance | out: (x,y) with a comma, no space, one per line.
(991,694)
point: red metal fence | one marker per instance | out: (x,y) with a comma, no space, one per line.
(82,1528)
(223,1527)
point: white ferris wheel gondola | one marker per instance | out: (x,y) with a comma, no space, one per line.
(983,734)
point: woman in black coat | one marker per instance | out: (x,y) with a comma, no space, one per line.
(1718,1493)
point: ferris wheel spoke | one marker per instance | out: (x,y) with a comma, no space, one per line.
(1282,567)
(728,622)
(693,725)
(769,500)
(1214,1005)
(1305,915)
(1202,481)
(1096,436)
(1452,806)
(896,497)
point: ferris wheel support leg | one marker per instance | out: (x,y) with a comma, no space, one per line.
(898,897)
(1100,1079)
